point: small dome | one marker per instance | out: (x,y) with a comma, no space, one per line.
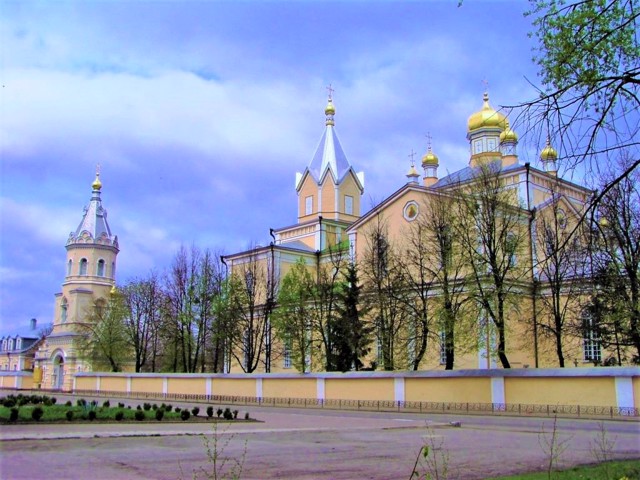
(487,117)
(508,135)
(548,153)
(430,159)
(97,184)
(330,109)
(413,172)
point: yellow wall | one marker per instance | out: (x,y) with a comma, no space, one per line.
(146,384)
(231,386)
(195,386)
(457,389)
(361,388)
(289,388)
(561,391)
(89,383)
(112,384)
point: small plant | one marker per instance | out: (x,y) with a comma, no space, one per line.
(184,415)
(227,415)
(94,403)
(69,415)
(552,446)
(432,461)
(47,402)
(81,402)
(68,404)
(119,416)
(23,401)
(169,407)
(92,415)
(9,402)
(147,406)
(120,405)
(159,414)
(195,411)
(37,413)
(209,411)
(139,415)
(13,414)
(219,412)
(138,407)
(235,414)
(177,409)
(220,465)
(54,400)
(154,406)
(246,416)
(106,404)
(35,399)
(129,407)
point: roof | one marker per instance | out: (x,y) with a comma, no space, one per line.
(469,173)
(93,225)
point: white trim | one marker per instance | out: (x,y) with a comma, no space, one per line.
(320,395)
(398,389)
(258,387)
(497,390)
(165,385)
(624,392)
(128,387)
(208,387)
(98,383)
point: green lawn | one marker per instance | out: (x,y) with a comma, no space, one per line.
(627,470)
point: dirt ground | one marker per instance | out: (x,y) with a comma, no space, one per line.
(309,444)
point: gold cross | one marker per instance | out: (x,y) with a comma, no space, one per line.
(331,90)
(412,154)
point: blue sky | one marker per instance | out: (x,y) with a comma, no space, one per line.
(200,113)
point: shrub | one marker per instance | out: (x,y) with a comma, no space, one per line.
(9,402)
(13,415)
(138,407)
(94,403)
(246,416)
(184,414)
(219,412)
(68,404)
(35,399)
(37,413)
(47,402)
(147,406)
(69,415)
(23,400)
(235,414)
(139,415)
(120,405)
(81,402)
(154,406)
(119,416)
(92,415)
(106,404)
(129,407)
(227,414)
(209,411)
(177,409)
(195,411)
(169,407)
(54,400)
(159,414)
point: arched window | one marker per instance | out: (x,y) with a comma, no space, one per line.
(69,266)
(83,266)
(63,310)
(101,268)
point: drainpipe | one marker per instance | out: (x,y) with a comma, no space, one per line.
(534,281)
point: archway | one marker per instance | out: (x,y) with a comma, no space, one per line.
(57,380)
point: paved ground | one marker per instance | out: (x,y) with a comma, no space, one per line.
(305,444)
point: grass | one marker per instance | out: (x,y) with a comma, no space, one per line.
(627,470)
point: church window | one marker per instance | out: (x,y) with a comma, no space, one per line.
(443,348)
(287,355)
(491,144)
(101,268)
(63,310)
(308,205)
(83,266)
(477,146)
(590,339)
(18,343)
(69,266)
(348,204)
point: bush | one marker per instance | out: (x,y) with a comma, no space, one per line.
(140,416)
(92,415)
(177,409)
(119,416)
(35,399)
(246,416)
(13,414)
(54,400)
(147,406)
(184,415)
(106,404)
(219,412)
(235,414)
(120,405)
(195,411)
(129,407)
(227,415)
(138,407)
(68,404)
(81,402)
(37,413)
(155,406)
(9,402)
(47,402)
(94,403)
(69,415)
(23,400)
(210,411)
(159,414)
(169,407)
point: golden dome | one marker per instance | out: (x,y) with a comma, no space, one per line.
(330,109)
(548,153)
(487,117)
(430,159)
(97,184)
(508,135)
(413,172)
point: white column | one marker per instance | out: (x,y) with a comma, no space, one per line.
(398,389)
(165,385)
(624,392)
(320,388)
(497,390)
(259,387)
(98,383)
(128,385)
(208,387)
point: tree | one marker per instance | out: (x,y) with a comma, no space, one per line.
(384,286)
(102,337)
(616,258)
(492,232)
(562,267)
(292,318)
(589,101)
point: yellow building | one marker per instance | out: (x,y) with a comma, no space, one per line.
(329,215)
(90,275)
(17,350)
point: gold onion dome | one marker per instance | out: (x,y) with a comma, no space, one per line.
(508,135)
(97,184)
(548,152)
(430,158)
(487,117)
(330,109)
(413,172)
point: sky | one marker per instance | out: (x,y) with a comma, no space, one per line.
(200,114)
